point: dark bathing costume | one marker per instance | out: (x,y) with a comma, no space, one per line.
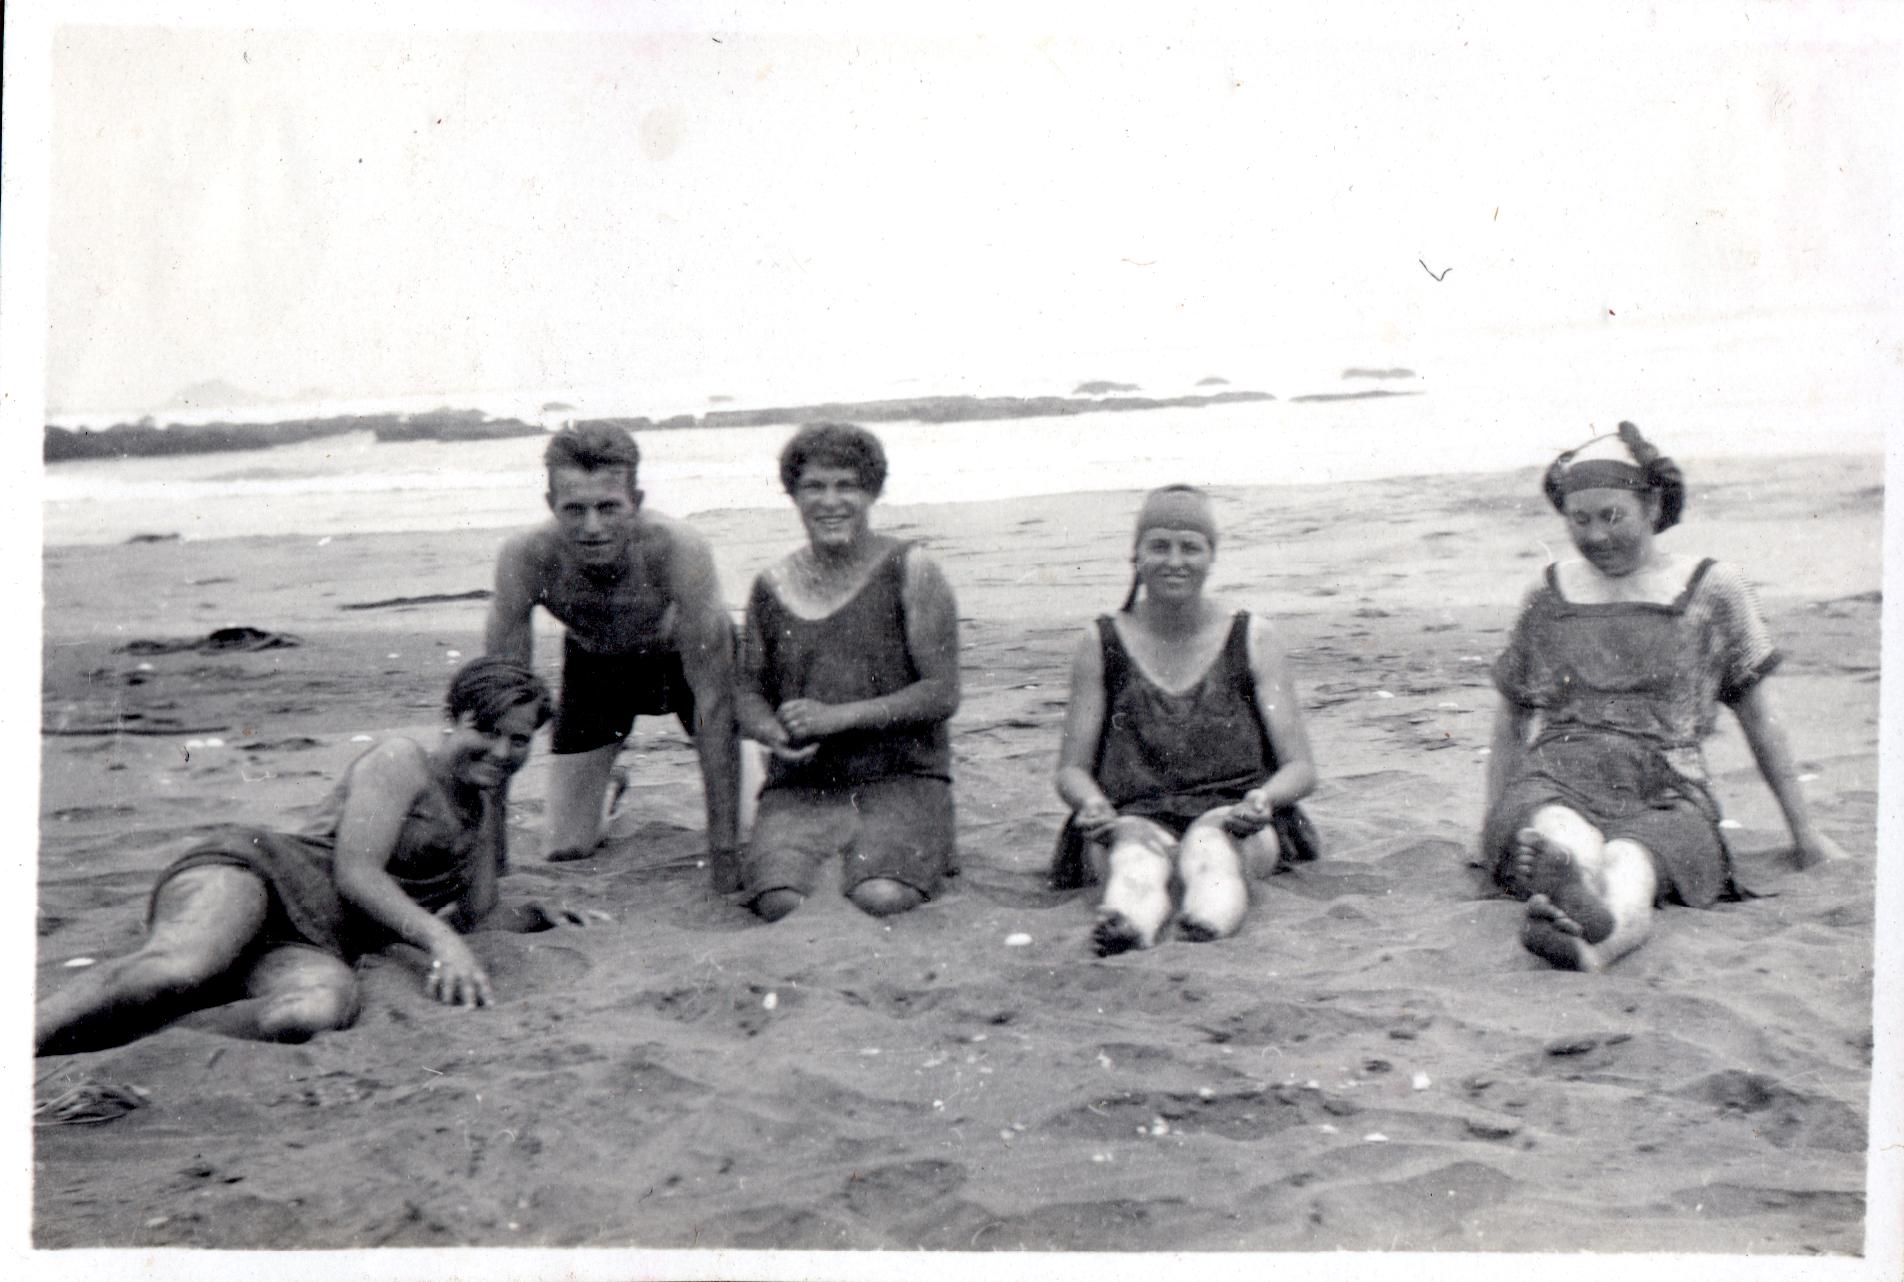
(885,793)
(1625,692)
(433,861)
(604,690)
(1171,757)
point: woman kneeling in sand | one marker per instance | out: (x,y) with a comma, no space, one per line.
(1184,752)
(407,848)
(1618,664)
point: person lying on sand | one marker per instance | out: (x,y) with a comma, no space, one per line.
(849,671)
(648,633)
(264,925)
(1598,802)
(1184,751)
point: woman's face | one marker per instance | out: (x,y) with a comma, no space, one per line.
(833,505)
(1613,529)
(1172,564)
(487,758)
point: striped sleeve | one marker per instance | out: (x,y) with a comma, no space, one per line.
(1744,651)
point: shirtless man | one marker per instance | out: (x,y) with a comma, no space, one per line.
(647,633)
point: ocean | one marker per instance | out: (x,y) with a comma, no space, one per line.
(1698,391)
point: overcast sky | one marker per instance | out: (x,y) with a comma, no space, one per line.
(386,212)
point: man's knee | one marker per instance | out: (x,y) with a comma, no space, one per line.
(775,904)
(882,897)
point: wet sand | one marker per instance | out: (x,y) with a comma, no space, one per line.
(1373,1063)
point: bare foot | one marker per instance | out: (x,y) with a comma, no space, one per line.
(1196,932)
(1555,938)
(1115,934)
(1544,868)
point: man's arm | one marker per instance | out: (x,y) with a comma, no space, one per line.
(508,633)
(704,637)
(932,638)
(1765,734)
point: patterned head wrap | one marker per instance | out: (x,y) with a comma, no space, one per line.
(1621,461)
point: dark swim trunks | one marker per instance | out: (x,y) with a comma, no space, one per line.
(603,693)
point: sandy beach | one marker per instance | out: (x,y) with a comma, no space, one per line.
(1372,1064)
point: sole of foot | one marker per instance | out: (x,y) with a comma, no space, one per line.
(1115,934)
(1545,868)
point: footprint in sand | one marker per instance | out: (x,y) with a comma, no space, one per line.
(1783,1117)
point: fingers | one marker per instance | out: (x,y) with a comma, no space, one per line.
(791,754)
(453,985)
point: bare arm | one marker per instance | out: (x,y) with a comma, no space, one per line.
(704,637)
(1295,775)
(932,637)
(1508,747)
(1083,728)
(384,783)
(507,634)
(1765,734)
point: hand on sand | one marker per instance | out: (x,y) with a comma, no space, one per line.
(1250,815)
(809,719)
(456,978)
(1814,849)
(1095,819)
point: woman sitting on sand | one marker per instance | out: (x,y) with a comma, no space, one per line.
(1617,664)
(1184,752)
(407,848)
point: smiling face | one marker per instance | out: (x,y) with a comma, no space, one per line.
(1172,564)
(834,505)
(595,511)
(1612,529)
(485,759)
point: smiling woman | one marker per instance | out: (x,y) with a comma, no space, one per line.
(848,674)
(258,928)
(1184,751)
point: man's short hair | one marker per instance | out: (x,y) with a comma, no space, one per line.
(844,445)
(592,446)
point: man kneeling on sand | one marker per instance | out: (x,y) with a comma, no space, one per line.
(648,633)
(1184,751)
(848,674)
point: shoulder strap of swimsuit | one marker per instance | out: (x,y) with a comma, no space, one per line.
(1115,660)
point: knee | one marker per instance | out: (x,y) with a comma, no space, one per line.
(305,1012)
(882,897)
(775,904)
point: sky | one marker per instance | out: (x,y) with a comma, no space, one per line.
(713,205)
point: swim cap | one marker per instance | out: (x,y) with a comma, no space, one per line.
(1177,507)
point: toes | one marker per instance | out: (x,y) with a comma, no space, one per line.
(1114,934)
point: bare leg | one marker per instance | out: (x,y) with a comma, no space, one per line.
(1210,863)
(1590,900)
(292,993)
(1136,888)
(578,782)
(883,897)
(203,921)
